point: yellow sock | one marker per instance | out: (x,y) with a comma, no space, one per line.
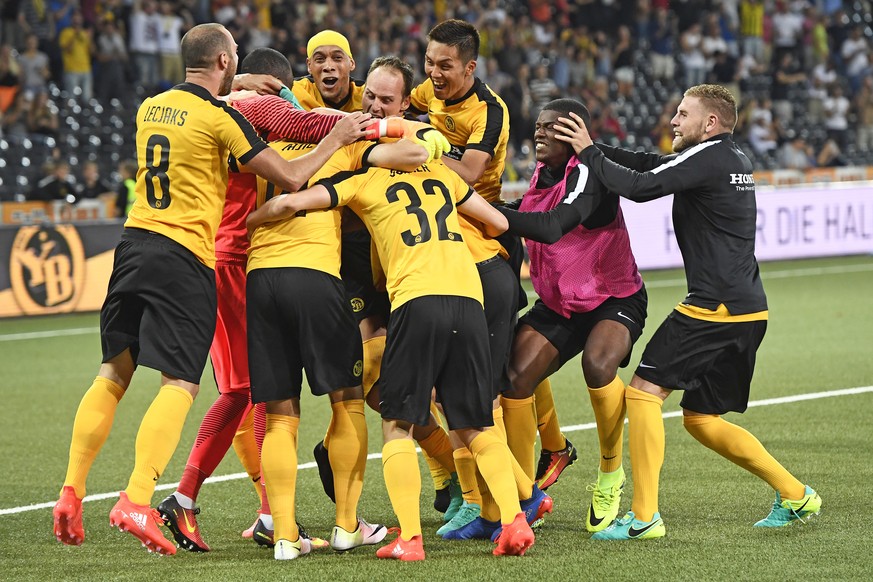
(466,468)
(246,450)
(520,419)
(646,440)
(439,468)
(738,445)
(90,430)
(493,459)
(438,448)
(609,413)
(279,459)
(156,441)
(373,350)
(348,458)
(551,437)
(499,424)
(403,482)
(489,509)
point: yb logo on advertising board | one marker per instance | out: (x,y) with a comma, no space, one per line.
(47,268)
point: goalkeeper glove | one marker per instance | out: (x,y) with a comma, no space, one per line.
(423,134)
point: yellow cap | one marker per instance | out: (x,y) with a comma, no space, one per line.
(328,38)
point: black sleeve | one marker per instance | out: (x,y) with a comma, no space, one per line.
(544,227)
(639,161)
(681,174)
(512,205)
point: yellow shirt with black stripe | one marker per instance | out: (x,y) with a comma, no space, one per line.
(307,94)
(183,140)
(310,240)
(348,158)
(413,219)
(478,120)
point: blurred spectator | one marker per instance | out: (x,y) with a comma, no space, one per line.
(796,154)
(169,42)
(712,41)
(517,97)
(762,136)
(725,72)
(623,62)
(752,28)
(691,56)
(542,89)
(10,31)
(34,66)
(92,184)
(662,134)
(820,50)
(76,44)
(662,39)
(787,30)
(36,18)
(830,155)
(786,76)
(42,117)
(9,77)
(856,56)
(125,191)
(143,41)
(864,114)
(111,55)
(836,111)
(13,121)
(57,183)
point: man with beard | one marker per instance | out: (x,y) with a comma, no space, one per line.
(707,346)
(160,308)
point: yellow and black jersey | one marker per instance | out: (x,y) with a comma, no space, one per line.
(310,240)
(346,159)
(413,220)
(183,139)
(307,94)
(479,120)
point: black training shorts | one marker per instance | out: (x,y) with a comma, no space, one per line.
(161,303)
(569,335)
(357,275)
(499,285)
(437,341)
(299,319)
(712,362)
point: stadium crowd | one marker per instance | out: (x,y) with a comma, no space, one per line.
(801,70)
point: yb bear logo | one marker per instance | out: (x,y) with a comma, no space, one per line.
(47,268)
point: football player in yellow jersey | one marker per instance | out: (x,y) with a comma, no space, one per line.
(299,318)
(476,122)
(437,333)
(160,307)
(329,83)
(386,95)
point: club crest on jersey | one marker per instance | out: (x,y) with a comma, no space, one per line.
(47,268)
(357,304)
(450,123)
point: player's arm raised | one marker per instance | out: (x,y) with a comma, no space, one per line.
(287,205)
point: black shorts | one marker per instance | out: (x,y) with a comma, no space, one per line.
(161,303)
(517,254)
(712,362)
(441,342)
(357,274)
(570,335)
(299,319)
(499,285)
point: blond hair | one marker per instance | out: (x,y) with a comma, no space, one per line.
(718,100)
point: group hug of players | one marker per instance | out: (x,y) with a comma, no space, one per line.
(413,310)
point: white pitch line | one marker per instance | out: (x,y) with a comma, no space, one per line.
(371,456)
(48,333)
